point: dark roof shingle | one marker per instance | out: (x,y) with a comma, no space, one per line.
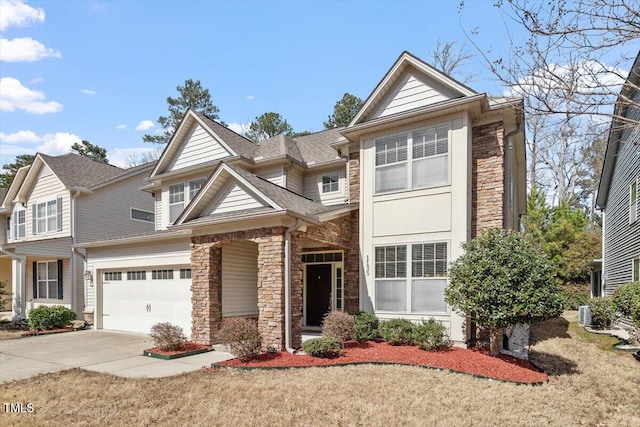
(79,171)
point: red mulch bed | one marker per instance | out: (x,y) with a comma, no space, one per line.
(476,361)
(189,346)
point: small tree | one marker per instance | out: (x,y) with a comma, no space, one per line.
(343,111)
(504,280)
(268,125)
(87,149)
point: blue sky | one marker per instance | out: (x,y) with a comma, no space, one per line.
(98,70)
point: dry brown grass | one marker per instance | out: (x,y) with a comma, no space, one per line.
(588,387)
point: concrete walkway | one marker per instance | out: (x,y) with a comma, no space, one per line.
(111,352)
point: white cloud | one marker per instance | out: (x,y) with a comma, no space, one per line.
(14,96)
(57,143)
(240,128)
(88,91)
(145,125)
(25,49)
(22,142)
(36,80)
(121,126)
(19,137)
(16,13)
(249,97)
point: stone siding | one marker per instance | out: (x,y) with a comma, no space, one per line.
(488,178)
(354,176)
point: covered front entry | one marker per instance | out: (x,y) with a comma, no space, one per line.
(323,290)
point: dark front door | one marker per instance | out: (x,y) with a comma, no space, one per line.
(318,292)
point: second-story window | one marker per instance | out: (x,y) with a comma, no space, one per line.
(391,163)
(47,216)
(195,186)
(20,224)
(176,201)
(633,202)
(330,183)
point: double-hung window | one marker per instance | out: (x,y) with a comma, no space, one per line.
(194,186)
(425,165)
(331,183)
(47,216)
(428,277)
(47,283)
(421,292)
(176,201)
(633,201)
(391,282)
(430,153)
(391,163)
(20,224)
(635,274)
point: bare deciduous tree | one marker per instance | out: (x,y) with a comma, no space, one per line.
(449,57)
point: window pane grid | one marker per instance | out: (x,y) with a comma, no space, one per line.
(391,261)
(195,186)
(185,273)
(161,274)
(113,275)
(47,276)
(136,275)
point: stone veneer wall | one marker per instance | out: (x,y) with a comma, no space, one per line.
(206,261)
(354,176)
(488,178)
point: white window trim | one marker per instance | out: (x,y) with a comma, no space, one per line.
(45,201)
(634,277)
(410,160)
(47,280)
(141,220)
(16,224)
(409,277)
(331,176)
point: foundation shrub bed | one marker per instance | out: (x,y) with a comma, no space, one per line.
(366,326)
(50,317)
(325,347)
(168,337)
(339,325)
(396,331)
(242,337)
(429,335)
(626,297)
(602,311)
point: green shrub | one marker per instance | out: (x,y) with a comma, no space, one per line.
(242,337)
(50,317)
(339,325)
(602,312)
(429,335)
(322,347)
(573,296)
(4,294)
(625,297)
(396,331)
(168,337)
(366,326)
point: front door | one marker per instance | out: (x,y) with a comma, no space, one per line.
(318,292)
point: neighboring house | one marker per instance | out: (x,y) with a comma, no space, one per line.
(366,217)
(53,204)
(619,191)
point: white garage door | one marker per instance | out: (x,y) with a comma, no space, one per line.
(135,300)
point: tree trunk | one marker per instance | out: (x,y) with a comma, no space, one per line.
(495,336)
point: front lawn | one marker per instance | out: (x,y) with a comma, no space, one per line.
(587,386)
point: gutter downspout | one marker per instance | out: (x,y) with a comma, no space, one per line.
(72,219)
(509,181)
(287,284)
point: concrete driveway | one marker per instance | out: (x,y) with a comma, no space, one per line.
(112,352)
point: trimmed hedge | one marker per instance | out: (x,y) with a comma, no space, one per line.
(242,337)
(626,297)
(429,335)
(366,326)
(339,325)
(50,317)
(602,311)
(325,347)
(396,331)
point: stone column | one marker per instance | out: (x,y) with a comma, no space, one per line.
(206,291)
(352,268)
(271,290)
(296,290)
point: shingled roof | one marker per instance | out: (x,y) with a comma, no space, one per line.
(79,171)
(315,148)
(277,146)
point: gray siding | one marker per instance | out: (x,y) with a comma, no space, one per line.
(200,145)
(621,239)
(295,180)
(106,213)
(313,186)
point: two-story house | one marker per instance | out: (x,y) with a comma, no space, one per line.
(53,204)
(366,217)
(619,192)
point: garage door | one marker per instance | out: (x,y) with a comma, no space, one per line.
(135,300)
